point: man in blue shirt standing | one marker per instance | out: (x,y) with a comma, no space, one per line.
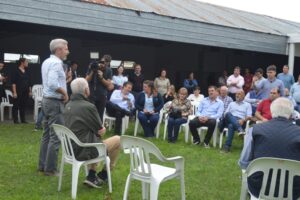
(265,86)
(236,116)
(287,79)
(54,97)
(209,111)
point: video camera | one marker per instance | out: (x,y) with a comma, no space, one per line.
(94,66)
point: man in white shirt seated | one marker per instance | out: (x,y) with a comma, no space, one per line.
(235,82)
(236,116)
(121,103)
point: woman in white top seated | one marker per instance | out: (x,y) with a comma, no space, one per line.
(119,79)
(196,97)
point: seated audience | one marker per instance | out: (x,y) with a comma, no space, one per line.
(149,103)
(236,116)
(170,95)
(223,96)
(271,82)
(121,103)
(263,112)
(295,93)
(277,138)
(287,95)
(190,83)
(235,82)
(119,79)
(209,110)
(82,118)
(254,97)
(196,97)
(179,111)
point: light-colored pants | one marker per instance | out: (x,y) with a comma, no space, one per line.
(113,148)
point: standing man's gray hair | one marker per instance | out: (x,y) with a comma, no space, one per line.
(282,107)
(57,43)
(79,85)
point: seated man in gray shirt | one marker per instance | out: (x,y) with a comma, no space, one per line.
(277,138)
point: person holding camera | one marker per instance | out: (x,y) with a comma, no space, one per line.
(149,103)
(179,111)
(99,76)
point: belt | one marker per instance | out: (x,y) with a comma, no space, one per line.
(53,98)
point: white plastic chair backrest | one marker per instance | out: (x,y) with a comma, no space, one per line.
(140,150)
(37,91)
(274,167)
(66,136)
(8,95)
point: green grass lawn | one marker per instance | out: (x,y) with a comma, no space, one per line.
(209,174)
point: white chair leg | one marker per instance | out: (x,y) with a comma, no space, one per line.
(182,187)
(2,114)
(61,171)
(107,163)
(136,126)
(186,133)
(165,129)
(127,186)
(75,173)
(221,140)
(123,129)
(157,130)
(145,191)
(154,189)
(86,170)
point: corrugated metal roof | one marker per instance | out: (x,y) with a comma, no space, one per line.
(207,13)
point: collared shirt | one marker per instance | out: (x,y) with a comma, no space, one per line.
(252,97)
(267,85)
(295,92)
(287,79)
(53,76)
(196,100)
(226,101)
(240,83)
(264,108)
(211,109)
(240,109)
(149,106)
(117,98)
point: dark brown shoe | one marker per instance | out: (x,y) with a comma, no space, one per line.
(53,173)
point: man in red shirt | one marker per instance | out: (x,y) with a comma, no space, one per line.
(263,112)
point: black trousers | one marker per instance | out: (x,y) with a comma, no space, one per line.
(100,104)
(195,123)
(19,104)
(116,111)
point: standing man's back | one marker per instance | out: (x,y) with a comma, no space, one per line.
(54,97)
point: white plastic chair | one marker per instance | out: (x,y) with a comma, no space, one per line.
(66,136)
(157,128)
(151,175)
(278,168)
(6,103)
(225,132)
(110,120)
(37,96)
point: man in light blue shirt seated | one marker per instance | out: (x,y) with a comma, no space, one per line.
(121,103)
(295,93)
(208,112)
(268,84)
(236,116)
(287,79)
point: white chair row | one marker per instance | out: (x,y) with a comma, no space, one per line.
(6,104)
(37,96)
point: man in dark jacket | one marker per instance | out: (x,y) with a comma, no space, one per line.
(82,118)
(277,138)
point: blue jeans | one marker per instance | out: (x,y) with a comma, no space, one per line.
(232,124)
(173,128)
(39,120)
(148,123)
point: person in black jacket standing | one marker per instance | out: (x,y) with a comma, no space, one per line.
(21,89)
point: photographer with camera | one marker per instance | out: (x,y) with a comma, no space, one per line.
(179,111)
(99,77)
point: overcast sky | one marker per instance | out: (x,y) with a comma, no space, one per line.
(284,9)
